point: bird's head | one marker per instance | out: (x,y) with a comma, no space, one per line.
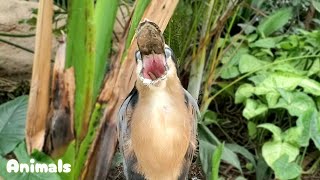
(155,59)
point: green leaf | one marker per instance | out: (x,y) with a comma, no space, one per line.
(273,150)
(248,63)
(284,169)
(248,28)
(229,72)
(230,61)
(297,103)
(210,117)
(262,169)
(278,80)
(252,37)
(252,129)
(316,4)
(216,158)
(254,108)
(206,150)
(275,22)
(69,157)
(23,157)
(104,32)
(206,134)
(243,93)
(82,154)
(275,130)
(272,98)
(291,43)
(310,86)
(315,130)
(242,151)
(309,121)
(293,136)
(240,178)
(12,123)
(264,43)
(315,68)
(81,54)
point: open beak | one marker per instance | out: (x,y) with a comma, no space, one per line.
(151,56)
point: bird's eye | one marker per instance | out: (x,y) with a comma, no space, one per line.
(138,55)
(168,52)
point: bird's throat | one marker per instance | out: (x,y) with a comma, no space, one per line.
(154,66)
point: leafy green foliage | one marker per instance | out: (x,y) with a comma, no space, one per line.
(12,123)
(275,22)
(209,144)
(277,73)
(273,71)
(22,156)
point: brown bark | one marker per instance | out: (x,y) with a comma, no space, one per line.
(59,129)
(39,90)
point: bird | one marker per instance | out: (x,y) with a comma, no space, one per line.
(157,122)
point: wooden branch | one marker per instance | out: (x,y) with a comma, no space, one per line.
(39,90)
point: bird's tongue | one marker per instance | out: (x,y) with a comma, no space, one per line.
(153,67)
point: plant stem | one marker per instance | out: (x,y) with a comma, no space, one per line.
(198,66)
(16,45)
(17,35)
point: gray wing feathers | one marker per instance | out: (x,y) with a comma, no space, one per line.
(195,114)
(124,117)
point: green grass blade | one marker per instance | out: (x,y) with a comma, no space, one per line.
(216,159)
(104,28)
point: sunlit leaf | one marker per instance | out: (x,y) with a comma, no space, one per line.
(248,63)
(285,169)
(273,150)
(275,21)
(297,103)
(254,108)
(310,86)
(243,92)
(293,136)
(275,130)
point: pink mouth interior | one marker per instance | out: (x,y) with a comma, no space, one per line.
(153,66)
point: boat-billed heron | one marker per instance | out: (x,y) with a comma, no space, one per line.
(158,120)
